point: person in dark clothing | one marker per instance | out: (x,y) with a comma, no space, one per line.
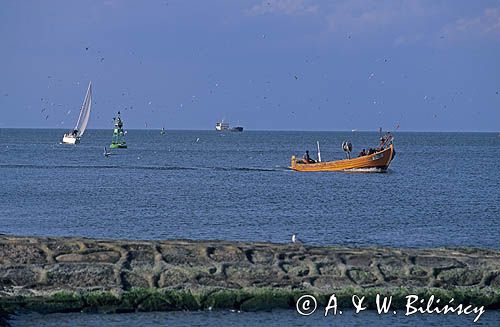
(306,158)
(382,142)
(385,140)
(362,153)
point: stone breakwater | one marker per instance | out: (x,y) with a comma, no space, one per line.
(73,274)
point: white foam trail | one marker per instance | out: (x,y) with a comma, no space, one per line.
(366,170)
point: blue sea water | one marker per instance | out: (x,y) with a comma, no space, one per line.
(442,189)
(271,319)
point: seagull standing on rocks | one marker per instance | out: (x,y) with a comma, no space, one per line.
(295,239)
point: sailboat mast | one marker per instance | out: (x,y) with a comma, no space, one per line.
(82,108)
(87,105)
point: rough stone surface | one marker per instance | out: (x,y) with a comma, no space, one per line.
(34,265)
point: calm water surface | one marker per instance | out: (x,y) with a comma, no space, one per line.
(442,188)
(271,319)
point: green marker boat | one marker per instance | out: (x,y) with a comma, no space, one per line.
(118,141)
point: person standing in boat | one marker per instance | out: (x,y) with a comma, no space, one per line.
(384,140)
(307,158)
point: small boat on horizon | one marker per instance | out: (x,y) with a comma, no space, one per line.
(74,136)
(376,160)
(222,126)
(162,132)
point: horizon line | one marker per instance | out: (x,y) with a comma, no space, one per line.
(268,130)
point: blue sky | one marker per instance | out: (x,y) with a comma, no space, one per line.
(267,65)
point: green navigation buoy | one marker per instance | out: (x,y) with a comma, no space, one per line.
(118,141)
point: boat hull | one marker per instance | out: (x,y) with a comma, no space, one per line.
(376,162)
(70,139)
(118,146)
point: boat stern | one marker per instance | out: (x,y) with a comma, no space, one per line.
(293,163)
(68,139)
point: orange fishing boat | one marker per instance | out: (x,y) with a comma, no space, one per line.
(378,161)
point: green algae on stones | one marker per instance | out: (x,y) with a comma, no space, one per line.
(250,299)
(268,299)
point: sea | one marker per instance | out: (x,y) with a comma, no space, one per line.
(441,190)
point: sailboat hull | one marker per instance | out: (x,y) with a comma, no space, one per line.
(68,139)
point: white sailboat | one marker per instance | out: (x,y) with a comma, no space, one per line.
(75,135)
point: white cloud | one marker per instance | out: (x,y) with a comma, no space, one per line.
(486,24)
(370,15)
(286,7)
(403,21)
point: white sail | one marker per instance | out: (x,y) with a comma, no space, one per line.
(83,119)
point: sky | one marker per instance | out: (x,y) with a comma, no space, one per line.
(265,65)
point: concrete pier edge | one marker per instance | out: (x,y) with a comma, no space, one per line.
(73,274)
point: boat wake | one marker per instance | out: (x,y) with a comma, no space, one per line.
(366,170)
(96,167)
(247,169)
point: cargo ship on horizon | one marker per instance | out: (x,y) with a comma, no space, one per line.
(224,126)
